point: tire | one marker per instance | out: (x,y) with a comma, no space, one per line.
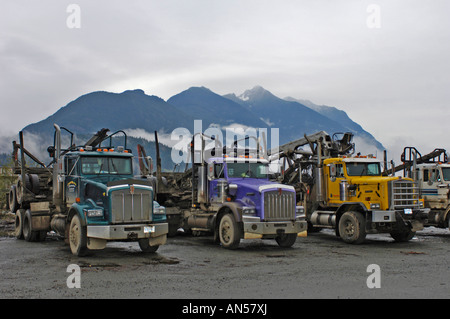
(403,236)
(12,199)
(19,189)
(286,240)
(352,228)
(145,247)
(20,215)
(229,234)
(77,237)
(34,183)
(27,228)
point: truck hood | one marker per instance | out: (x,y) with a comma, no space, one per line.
(249,190)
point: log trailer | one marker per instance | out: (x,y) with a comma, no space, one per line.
(432,174)
(87,194)
(348,193)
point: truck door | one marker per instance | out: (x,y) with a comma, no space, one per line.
(215,172)
(336,176)
(72,180)
(431,179)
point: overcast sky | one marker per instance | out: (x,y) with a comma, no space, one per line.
(386,63)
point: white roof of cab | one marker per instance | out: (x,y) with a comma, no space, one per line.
(237,160)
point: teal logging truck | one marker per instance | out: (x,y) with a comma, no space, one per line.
(87,194)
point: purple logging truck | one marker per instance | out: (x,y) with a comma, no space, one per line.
(233,198)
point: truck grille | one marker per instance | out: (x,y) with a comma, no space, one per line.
(131,206)
(404,194)
(279,206)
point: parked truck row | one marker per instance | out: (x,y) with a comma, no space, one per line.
(89,195)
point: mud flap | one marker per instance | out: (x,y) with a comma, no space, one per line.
(416,226)
(157,241)
(96,243)
(403,225)
(303,234)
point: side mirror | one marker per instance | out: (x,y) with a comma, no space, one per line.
(332,172)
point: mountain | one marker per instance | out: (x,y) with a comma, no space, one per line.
(340,116)
(294,119)
(140,115)
(212,108)
(132,109)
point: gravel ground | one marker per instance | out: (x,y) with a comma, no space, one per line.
(318,266)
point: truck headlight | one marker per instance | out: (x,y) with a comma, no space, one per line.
(158,209)
(95,212)
(375,206)
(299,211)
(248,210)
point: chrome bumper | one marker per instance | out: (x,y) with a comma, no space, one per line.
(124,232)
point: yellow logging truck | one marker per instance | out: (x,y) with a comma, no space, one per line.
(348,193)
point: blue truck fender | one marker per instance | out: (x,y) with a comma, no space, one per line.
(76,209)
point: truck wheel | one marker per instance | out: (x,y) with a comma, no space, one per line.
(403,236)
(19,189)
(145,247)
(12,199)
(34,183)
(286,240)
(77,237)
(352,227)
(27,227)
(20,214)
(229,232)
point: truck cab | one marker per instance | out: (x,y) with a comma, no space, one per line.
(434,184)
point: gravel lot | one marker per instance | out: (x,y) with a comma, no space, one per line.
(318,266)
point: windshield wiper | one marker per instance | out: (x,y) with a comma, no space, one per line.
(362,172)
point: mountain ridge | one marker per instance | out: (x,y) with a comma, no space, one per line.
(293,114)
(135,111)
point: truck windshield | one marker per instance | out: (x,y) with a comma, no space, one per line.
(106,165)
(446,173)
(363,169)
(249,170)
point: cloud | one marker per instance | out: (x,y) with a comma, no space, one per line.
(318,50)
(163,138)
